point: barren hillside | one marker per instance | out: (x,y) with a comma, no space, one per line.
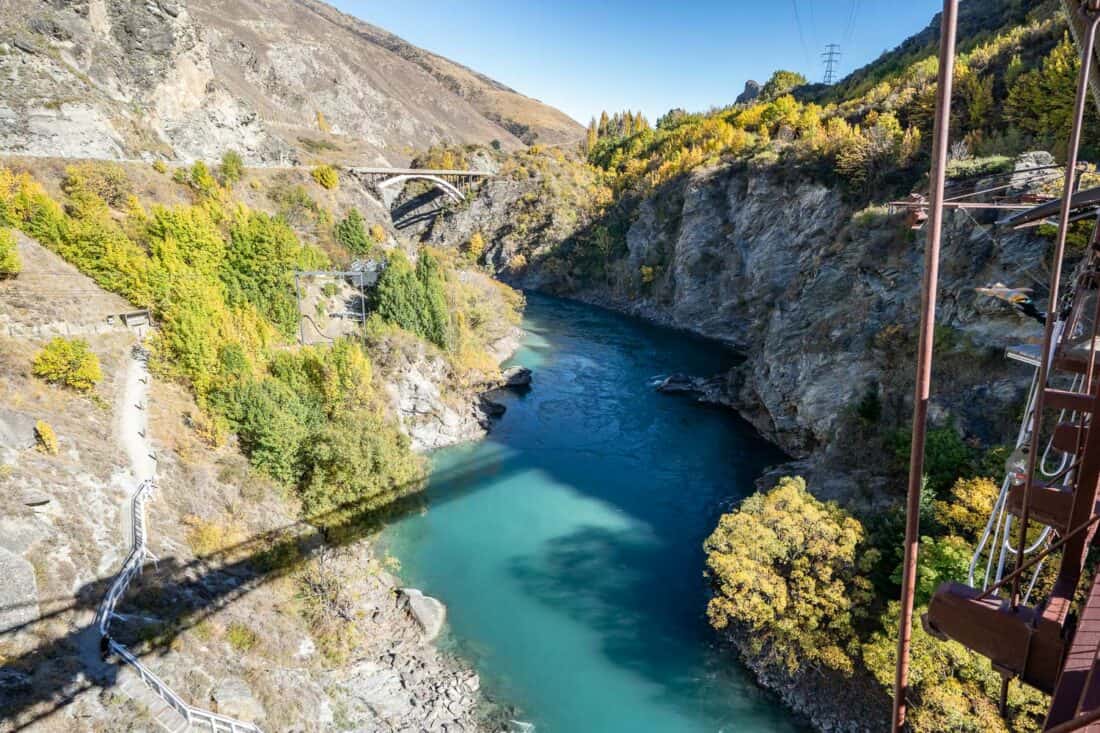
(274,79)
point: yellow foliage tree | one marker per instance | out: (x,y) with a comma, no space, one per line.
(10,264)
(69,362)
(46,437)
(475,247)
(785,568)
(950,687)
(326,176)
(967,510)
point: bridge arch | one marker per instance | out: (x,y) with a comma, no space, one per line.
(449,189)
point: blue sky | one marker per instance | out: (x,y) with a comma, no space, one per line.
(614,54)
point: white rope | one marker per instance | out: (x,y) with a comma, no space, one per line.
(995,542)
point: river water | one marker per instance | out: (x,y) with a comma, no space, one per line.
(567,545)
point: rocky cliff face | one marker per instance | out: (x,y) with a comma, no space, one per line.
(273,79)
(811,292)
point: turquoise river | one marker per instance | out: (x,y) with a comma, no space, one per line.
(568,544)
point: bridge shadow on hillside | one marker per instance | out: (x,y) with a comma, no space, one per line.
(36,684)
(419,209)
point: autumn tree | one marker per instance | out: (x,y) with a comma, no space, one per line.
(780,83)
(69,362)
(10,263)
(232,168)
(1041,100)
(789,569)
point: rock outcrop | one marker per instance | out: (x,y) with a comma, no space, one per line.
(517,377)
(430,613)
(18,592)
(751,92)
(233,697)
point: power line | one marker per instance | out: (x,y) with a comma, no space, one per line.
(813,24)
(850,26)
(831,56)
(801,36)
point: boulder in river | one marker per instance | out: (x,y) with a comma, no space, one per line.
(708,390)
(516,377)
(429,612)
(678,383)
(492,408)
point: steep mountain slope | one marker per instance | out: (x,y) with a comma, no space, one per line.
(271,78)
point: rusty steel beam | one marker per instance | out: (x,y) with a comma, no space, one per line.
(1088,44)
(940,140)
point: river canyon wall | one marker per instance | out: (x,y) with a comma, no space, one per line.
(819,295)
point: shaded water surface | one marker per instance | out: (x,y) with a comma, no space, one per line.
(567,546)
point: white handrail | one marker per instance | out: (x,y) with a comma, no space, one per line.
(106,613)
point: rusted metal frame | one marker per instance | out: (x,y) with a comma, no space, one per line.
(1069,327)
(994,189)
(1084,420)
(1076,723)
(940,140)
(1055,285)
(1080,293)
(1038,558)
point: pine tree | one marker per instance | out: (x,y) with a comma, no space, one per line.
(593,136)
(351,232)
(435,321)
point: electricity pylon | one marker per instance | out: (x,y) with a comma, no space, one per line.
(831,56)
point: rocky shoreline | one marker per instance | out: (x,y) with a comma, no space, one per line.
(446,693)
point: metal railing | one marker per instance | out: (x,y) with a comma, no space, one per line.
(106,613)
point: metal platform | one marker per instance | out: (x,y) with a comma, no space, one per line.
(1025,353)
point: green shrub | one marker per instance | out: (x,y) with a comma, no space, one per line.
(356,463)
(232,168)
(414,299)
(202,180)
(326,176)
(946,456)
(10,263)
(160,166)
(780,83)
(941,559)
(240,637)
(69,362)
(108,181)
(262,254)
(272,423)
(351,232)
(47,439)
